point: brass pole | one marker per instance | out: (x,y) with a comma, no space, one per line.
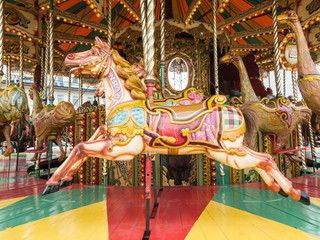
(1,38)
(215,65)
(50,51)
(9,72)
(276,58)
(21,62)
(300,138)
(162,43)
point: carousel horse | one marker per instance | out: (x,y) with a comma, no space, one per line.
(308,75)
(136,125)
(13,108)
(49,120)
(278,116)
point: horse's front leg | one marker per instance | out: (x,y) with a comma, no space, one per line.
(102,130)
(6,133)
(116,148)
(39,145)
(62,152)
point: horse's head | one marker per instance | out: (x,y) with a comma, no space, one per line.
(302,113)
(95,61)
(230,57)
(100,90)
(34,87)
(287,17)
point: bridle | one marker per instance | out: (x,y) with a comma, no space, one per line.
(103,60)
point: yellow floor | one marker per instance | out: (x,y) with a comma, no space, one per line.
(4,203)
(88,223)
(221,222)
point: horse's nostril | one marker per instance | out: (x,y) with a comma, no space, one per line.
(70,56)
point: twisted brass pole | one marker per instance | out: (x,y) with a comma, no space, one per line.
(215,65)
(109,22)
(276,58)
(313,147)
(9,72)
(150,79)
(45,67)
(80,90)
(44,64)
(144,32)
(1,38)
(215,50)
(69,87)
(50,67)
(105,169)
(284,82)
(162,42)
(300,138)
(21,62)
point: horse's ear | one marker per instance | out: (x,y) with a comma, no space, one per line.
(101,43)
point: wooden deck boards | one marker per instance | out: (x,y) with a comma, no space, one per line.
(247,211)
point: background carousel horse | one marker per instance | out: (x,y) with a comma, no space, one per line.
(13,108)
(279,115)
(136,126)
(49,120)
(308,76)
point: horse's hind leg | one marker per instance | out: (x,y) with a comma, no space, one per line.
(271,168)
(270,182)
(264,161)
(62,152)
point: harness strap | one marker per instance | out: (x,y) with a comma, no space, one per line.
(103,60)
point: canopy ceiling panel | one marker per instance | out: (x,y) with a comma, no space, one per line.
(245,24)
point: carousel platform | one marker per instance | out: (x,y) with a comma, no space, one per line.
(248,211)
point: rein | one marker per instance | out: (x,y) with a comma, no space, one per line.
(103,60)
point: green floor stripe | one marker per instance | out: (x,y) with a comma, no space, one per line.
(271,205)
(37,207)
(316,175)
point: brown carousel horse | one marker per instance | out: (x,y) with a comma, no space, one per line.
(278,116)
(308,75)
(135,126)
(49,120)
(13,108)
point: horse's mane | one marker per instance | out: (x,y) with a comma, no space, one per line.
(132,81)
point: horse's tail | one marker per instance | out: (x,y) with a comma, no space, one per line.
(252,119)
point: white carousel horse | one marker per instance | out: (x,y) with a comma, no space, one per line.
(135,126)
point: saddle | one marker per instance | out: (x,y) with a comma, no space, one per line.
(186,113)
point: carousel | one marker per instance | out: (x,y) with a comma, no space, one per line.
(173,141)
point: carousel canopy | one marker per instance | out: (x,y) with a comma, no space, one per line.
(243,25)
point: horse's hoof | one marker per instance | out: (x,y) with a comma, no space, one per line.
(283,193)
(64,184)
(50,189)
(304,198)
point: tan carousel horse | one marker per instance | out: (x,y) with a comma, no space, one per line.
(49,120)
(278,116)
(136,126)
(308,75)
(13,108)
